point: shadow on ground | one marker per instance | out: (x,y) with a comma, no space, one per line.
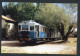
(18,44)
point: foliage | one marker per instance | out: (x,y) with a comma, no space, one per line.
(51,15)
(20,11)
(55,18)
(72,8)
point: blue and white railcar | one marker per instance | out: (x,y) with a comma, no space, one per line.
(31,31)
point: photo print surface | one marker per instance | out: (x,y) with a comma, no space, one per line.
(39,28)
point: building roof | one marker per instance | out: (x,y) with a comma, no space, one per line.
(6,18)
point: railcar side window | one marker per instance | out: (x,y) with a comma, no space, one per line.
(41,29)
(19,27)
(32,28)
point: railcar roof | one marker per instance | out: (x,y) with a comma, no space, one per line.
(31,22)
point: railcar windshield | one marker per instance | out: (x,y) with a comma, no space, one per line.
(24,27)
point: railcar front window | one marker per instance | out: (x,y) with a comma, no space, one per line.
(32,28)
(24,27)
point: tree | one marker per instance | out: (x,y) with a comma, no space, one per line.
(55,18)
(73,10)
(20,11)
(29,10)
(10,9)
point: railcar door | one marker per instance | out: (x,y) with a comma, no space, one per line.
(37,30)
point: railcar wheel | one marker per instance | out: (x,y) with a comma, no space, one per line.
(34,41)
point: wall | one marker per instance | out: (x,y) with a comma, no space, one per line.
(3,23)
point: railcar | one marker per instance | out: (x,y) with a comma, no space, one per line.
(32,31)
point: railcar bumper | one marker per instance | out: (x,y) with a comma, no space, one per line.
(28,39)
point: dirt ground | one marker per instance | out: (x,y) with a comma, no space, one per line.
(49,47)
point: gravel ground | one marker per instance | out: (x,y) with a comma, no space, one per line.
(42,48)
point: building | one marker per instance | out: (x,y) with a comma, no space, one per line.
(8,28)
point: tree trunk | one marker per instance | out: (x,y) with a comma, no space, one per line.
(65,38)
(61,30)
